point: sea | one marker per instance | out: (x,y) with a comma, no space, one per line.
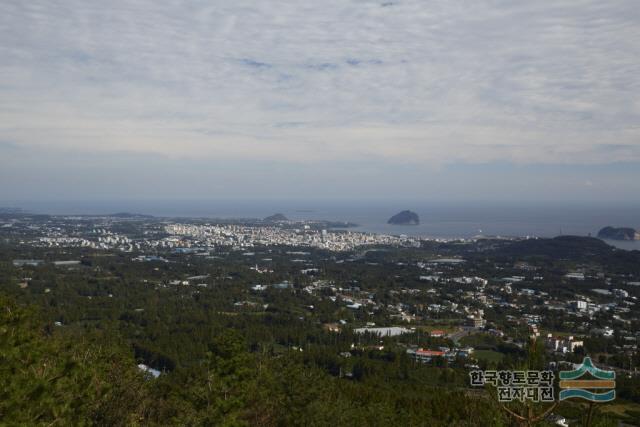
(438,219)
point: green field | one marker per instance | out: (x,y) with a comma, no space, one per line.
(488,355)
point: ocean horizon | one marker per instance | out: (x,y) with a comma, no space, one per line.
(446,220)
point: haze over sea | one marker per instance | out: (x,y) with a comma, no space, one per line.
(438,219)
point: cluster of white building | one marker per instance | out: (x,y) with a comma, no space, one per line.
(231,235)
(114,241)
(566,344)
(249,236)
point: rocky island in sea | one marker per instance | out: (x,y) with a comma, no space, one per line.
(405,218)
(619,233)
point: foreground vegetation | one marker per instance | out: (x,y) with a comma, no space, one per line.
(74,377)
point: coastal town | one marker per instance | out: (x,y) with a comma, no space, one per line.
(104,233)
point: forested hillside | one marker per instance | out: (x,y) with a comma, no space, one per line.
(56,376)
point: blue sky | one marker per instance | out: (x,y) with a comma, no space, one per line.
(480,99)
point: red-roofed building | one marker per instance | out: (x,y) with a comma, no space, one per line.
(426,355)
(437,333)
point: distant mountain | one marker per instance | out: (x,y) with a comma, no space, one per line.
(619,233)
(129,215)
(405,218)
(276,218)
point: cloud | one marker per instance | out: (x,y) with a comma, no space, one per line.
(412,81)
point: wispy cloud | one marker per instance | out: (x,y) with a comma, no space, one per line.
(409,81)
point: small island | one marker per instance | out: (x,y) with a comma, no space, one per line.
(405,218)
(619,233)
(276,218)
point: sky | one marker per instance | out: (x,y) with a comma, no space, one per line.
(346,99)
